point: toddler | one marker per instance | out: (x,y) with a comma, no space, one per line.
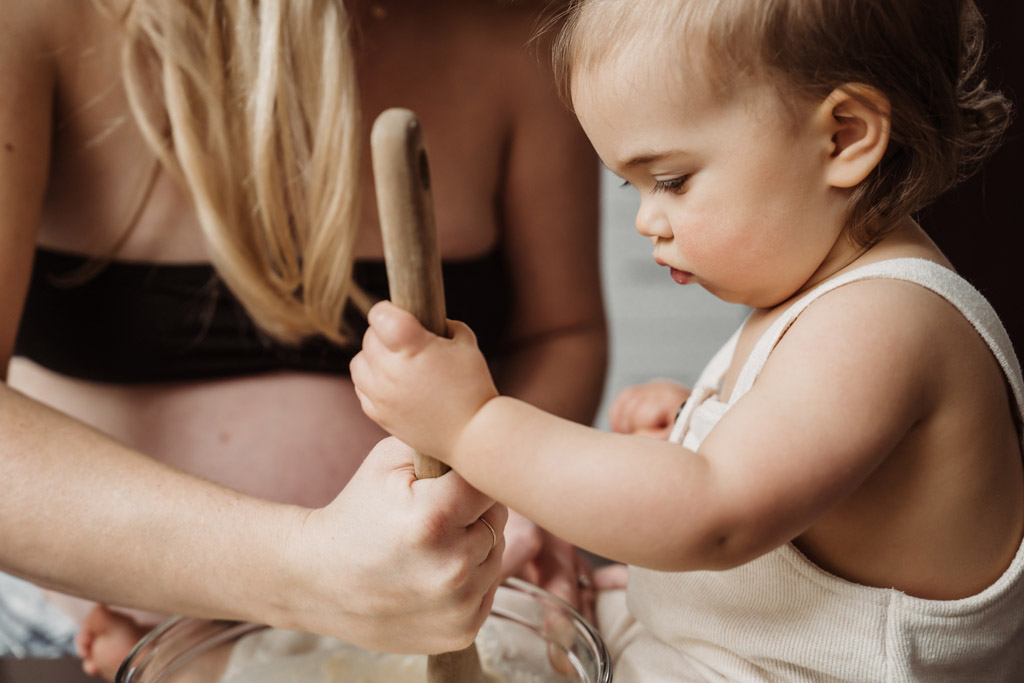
(842,497)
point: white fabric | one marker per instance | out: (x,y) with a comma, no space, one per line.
(29,625)
(781,617)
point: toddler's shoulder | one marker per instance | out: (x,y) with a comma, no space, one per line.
(882,312)
(903,330)
(886,307)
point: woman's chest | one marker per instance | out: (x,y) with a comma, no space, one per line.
(102,171)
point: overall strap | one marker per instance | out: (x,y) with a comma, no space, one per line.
(944,282)
(708,384)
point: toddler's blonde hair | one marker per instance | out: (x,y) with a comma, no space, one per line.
(923,55)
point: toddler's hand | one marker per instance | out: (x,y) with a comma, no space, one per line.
(422,388)
(647,409)
(105,640)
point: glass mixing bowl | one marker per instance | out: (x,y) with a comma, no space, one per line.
(530,637)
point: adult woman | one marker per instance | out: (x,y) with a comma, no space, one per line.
(264,180)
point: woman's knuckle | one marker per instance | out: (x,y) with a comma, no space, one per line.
(428,529)
(459,573)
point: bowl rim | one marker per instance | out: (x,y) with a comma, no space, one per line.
(604,673)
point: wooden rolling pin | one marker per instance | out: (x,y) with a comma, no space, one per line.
(413,263)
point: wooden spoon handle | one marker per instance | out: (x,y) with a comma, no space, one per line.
(413,263)
(406,210)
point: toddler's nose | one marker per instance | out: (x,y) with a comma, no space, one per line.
(651,221)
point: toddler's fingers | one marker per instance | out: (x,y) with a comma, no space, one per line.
(395,328)
(361,374)
(621,410)
(459,331)
(83,643)
(611,577)
(359,370)
(652,414)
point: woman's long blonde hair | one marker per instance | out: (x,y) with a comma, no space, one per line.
(253,106)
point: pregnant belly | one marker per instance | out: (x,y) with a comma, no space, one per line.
(290,437)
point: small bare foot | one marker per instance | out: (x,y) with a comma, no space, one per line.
(105,640)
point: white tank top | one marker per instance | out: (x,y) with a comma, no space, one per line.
(783,618)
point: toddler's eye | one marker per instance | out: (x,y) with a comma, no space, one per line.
(671,185)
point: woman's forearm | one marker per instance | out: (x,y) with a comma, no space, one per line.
(84,515)
(391,564)
(562,372)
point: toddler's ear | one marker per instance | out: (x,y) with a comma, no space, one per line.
(856,117)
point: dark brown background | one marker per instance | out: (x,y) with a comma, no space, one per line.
(979,224)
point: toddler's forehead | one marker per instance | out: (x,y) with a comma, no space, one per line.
(622,110)
(626,78)
(695,47)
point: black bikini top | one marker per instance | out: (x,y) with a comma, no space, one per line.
(139,322)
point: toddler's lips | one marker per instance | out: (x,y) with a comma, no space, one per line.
(681,277)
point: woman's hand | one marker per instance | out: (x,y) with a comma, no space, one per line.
(422,388)
(647,409)
(398,564)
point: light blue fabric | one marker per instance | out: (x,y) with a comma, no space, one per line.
(30,626)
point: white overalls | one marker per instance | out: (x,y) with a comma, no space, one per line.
(781,617)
